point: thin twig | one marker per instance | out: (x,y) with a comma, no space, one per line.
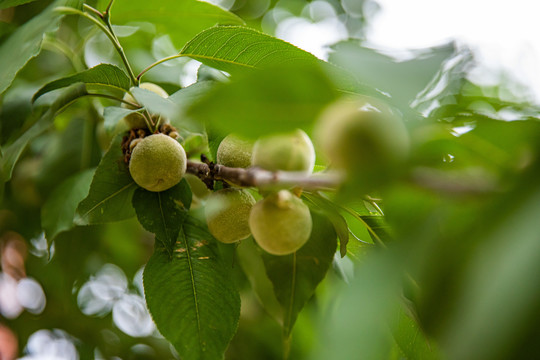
(108,31)
(135,106)
(157,63)
(120,49)
(257,177)
(108,9)
(93,10)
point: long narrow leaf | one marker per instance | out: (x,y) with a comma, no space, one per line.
(102,74)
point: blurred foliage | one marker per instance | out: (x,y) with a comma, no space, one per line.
(440,262)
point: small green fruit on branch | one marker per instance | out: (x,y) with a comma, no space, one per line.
(227,214)
(260,178)
(281,223)
(158,162)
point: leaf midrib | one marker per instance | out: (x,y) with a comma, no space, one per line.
(193,287)
(162,215)
(293,287)
(107,199)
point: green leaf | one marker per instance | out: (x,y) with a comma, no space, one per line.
(2,181)
(499,284)
(358,325)
(187,96)
(4,4)
(163,213)
(238,50)
(266,101)
(113,114)
(191,295)
(25,42)
(235,49)
(402,79)
(155,103)
(110,194)
(249,258)
(59,210)
(182,20)
(338,221)
(410,339)
(13,151)
(378,228)
(296,276)
(102,74)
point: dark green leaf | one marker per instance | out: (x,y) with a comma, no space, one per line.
(378,228)
(25,42)
(191,296)
(110,194)
(66,152)
(4,4)
(182,20)
(249,258)
(358,326)
(337,220)
(2,181)
(102,74)
(266,101)
(58,212)
(13,151)
(499,285)
(163,213)
(411,340)
(235,49)
(112,115)
(296,276)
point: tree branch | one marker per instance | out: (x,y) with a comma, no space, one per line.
(257,177)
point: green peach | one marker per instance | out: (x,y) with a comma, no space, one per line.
(280,223)
(234,151)
(158,162)
(364,137)
(227,213)
(288,152)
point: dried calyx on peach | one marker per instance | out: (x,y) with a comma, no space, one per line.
(158,162)
(280,223)
(136,120)
(287,152)
(227,214)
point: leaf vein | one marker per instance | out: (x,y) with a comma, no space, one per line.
(108,198)
(188,257)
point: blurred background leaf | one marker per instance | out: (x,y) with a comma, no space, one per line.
(59,211)
(13,57)
(266,101)
(181,20)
